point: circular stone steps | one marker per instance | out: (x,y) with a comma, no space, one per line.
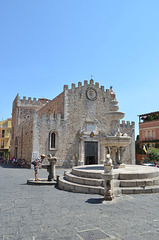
(132,179)
(82,180)
(140,190)
(80,188)
(139,182)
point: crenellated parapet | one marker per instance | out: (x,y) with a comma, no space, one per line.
(34,101)
(127,124)
(108,92)
(89,97)
(47,119)
(128,127)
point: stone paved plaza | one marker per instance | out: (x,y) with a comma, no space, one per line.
(29,212)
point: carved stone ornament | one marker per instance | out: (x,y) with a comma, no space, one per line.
(91,93)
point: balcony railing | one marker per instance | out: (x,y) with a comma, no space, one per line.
(149,138)
(4,136)
(4,147)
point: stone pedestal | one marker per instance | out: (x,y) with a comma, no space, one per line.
(107,176)
(51,168)
(108,186)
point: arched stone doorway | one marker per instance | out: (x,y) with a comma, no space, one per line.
(91,152)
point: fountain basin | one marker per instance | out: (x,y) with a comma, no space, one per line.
(114,115)
(118,141)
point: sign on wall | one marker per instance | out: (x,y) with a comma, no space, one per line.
(92,134)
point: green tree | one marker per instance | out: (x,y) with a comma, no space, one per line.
(138,149)
(156,145)
(153,154)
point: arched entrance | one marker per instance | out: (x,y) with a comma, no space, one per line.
(91,152)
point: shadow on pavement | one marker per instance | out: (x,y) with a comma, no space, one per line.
(7,165)
(95,200)
(10,165)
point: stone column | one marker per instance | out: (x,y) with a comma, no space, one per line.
(99,153)
(51,168)
(122,165)
(79,158)
(118,156)
(113,154)
(103,151)
(81,153)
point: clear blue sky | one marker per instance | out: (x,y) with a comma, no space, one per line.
(45,44)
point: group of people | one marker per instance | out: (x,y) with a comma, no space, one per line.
(18,162)
(6,161)
(14,161)
(21,163)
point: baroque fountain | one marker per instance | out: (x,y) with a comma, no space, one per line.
(113,177)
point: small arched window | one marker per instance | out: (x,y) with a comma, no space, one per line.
(53,140)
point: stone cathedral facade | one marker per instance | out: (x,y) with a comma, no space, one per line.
(70,126)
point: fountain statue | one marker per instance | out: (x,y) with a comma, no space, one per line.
(107,176)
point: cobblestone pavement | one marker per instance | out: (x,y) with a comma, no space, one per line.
(44,212)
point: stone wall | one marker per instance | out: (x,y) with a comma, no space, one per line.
(79,112)
(43,126)
(25,140)
(22,111)
(129,129)
(53,107)
(81,109)
(14,125)
(27,107)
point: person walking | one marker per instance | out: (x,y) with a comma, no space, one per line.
(38,162)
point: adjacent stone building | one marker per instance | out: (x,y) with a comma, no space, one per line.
(148,134)
(5,133)
(70,126)
(149,129)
